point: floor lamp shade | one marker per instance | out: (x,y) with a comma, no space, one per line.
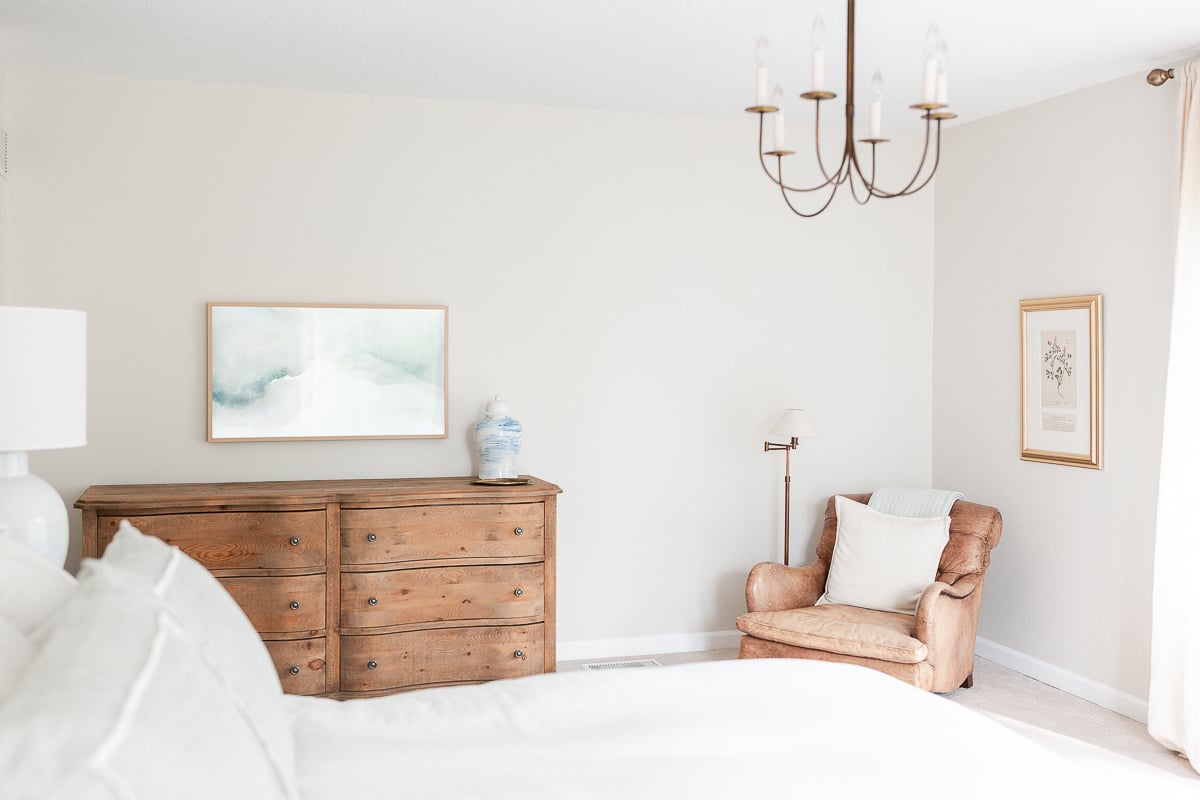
(794,424)
(43,406)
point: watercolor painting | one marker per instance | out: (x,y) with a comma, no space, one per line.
(326,372)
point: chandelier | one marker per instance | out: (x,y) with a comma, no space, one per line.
(850,169)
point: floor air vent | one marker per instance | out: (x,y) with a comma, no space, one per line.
(638,664)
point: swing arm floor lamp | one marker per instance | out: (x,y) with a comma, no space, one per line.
(793,426)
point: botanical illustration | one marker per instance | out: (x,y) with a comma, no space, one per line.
(311,371)
(1058,368)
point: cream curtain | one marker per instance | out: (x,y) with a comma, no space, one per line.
(1175,638)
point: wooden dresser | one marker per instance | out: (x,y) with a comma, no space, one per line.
(366,587)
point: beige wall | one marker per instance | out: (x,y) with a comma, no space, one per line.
(1071,196)
(630,283)
(4,194)
(637,292)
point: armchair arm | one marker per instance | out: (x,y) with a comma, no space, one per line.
(774,587)
(932,610)
(946,619)
(963,587)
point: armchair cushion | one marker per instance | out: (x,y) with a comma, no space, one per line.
(883,562)
(851,631)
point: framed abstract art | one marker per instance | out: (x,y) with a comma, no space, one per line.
(280,372)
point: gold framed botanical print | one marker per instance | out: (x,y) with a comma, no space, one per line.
(1061,381)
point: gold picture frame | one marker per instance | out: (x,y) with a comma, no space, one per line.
(1062,381)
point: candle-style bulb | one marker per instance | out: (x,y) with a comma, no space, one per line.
(941,73)
(818,33)
(933,42)
(875,119)
(760,72)
(777,96)
(818,55)
(933,39)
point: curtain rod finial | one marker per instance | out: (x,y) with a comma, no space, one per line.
(1157,77)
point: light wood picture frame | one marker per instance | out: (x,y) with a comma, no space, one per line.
(292,371)
(1062,381)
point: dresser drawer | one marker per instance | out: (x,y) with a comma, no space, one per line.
(414,533)
(300,664)
(400,597)
(445,655)
(234,540)
(281,605)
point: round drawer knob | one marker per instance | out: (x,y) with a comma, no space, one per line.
(295,604)
(295,540)
(374,601)
(372,537)
(519,592)
(518,531)
(371,665)
(519,654)
(294,670)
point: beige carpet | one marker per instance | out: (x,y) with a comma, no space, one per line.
(1002,691)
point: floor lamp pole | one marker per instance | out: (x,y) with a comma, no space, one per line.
(787,489)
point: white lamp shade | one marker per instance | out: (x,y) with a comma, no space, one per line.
(794,424)
(43,378)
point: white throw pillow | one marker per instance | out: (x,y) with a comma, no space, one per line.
(202,607)
(16,651)
(31,588)
(122,701)
(881,561)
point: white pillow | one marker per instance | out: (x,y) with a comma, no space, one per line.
(881,561)
(202,607)
(121,701)
(31,588)
(16,651)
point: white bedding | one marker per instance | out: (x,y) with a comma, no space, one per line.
(730,729)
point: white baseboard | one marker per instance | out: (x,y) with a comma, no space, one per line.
(647,645)
(1093,691)
(1070,682)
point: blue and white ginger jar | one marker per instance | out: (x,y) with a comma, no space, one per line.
(497,442)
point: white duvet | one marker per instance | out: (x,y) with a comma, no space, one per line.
(729,729)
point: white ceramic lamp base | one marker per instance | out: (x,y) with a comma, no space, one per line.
(31,511)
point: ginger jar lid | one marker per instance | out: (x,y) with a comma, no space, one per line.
(497,408)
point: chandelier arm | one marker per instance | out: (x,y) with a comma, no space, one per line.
(817,146)
(832,193)
(866,186)
(937,158)
(908,189)
(779,181)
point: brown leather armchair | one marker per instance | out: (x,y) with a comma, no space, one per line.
(933,649)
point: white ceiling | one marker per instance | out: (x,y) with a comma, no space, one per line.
(674,56)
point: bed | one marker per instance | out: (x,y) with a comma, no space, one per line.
(144,680)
